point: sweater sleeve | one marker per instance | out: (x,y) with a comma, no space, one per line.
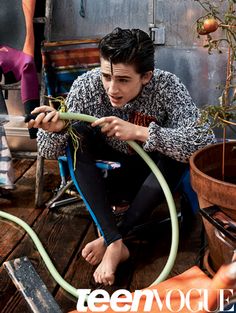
(51,145)
(80,99)
(181,134)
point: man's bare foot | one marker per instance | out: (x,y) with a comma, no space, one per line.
(115,253)
(94,251)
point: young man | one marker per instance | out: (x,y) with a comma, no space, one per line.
(132,101)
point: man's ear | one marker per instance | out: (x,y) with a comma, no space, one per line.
(146,77)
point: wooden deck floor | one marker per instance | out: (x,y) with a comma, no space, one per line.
(64,232)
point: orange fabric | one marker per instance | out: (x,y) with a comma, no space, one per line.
(28,7)
(192,278)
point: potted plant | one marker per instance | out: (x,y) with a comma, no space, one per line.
(213,168)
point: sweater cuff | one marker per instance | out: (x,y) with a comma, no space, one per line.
(150,144)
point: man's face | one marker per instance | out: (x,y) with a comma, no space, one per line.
(123,84)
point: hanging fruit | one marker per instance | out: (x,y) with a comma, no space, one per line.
(207,25)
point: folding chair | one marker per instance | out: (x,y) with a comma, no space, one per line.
(66,172)
(63,62)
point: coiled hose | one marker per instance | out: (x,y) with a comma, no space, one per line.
(170,202)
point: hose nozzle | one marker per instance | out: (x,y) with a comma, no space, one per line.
(32,116)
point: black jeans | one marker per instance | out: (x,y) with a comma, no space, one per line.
(133,182)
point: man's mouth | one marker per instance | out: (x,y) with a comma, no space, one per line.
(115,98)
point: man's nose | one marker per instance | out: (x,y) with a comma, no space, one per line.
(113,87)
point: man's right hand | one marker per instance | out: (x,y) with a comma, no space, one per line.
(47,119)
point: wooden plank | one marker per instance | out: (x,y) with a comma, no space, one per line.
(39,181)
(21,166)
(79,274)
(23,195)
(153,255)
(153,251)
(51,179)
(26,184)
(24,154)
(28,282)
(61,235)
(11,234)
(70,42)
(62,232)
(20,203)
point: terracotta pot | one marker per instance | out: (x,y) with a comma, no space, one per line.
(221,249)
(206,174)
(205,171)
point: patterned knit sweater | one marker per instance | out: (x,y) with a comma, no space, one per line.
(164,106)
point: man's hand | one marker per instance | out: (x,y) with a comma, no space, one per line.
(48,119)
(113,126)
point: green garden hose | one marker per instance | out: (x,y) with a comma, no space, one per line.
(171,205)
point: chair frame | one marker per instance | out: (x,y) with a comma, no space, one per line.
(51,45)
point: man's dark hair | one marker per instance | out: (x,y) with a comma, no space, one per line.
(130,46)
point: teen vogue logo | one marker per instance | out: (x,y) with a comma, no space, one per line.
(150,301)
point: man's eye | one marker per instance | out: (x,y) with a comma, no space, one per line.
(106,77)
